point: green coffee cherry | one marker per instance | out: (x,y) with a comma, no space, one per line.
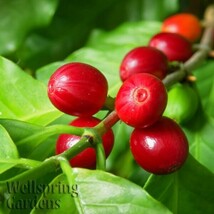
(182,103)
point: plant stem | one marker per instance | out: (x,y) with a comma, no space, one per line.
(100,157)
(107,123)
(77,148)
(205,47)
(51,164)
(69,173)
(197,58)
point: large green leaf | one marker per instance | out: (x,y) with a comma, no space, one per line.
(8,148)
(200,129)
(74,20)
(8,151)
(190,190)
(19,130)
(40,148)
(205,83)
(200,135)
(22,97)
(98,192)
(18,17)
(105,51)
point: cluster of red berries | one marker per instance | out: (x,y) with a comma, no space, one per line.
(157,143)
(79,89)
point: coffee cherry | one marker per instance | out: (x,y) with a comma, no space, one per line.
(182,103)
(86,158)
(161,148)
(78,89)
(175,46)
(144,60)
(141,100)
(184,24)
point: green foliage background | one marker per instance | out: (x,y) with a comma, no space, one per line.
(37,36)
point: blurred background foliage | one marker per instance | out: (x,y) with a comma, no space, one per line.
(34,33)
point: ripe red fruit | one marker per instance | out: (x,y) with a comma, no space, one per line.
(144,60)
(78,89)
(87,158)
(141,100)
(184,24)
(175,46)
(161,148)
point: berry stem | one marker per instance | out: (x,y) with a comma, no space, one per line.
(107,123)
(51,164)
(83,143)
(100,157)
(69,173)
(205,47)
(197,58)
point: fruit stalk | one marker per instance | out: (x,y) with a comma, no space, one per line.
(100,157)
(205,47)
(197,58)
(107,123)
(83,143)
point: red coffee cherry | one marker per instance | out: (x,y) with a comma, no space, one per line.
(144,60)
(175,46)
(161,148)
(78,89)
(87,158)
(185,24)
(141,100)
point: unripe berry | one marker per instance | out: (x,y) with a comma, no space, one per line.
(182,103)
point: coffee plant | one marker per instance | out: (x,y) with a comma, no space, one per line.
(123,124)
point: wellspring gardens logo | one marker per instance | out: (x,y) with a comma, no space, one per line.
(27,195)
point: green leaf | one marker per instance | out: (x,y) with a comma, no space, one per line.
(205,83)
(7,150)
(65,32)
(190,190)
(18,17)
(19,130)
(98,192)
(200,135)
(105,50)
(167,7)
(22,97)
(34,141)
(39,149)
(127,34)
